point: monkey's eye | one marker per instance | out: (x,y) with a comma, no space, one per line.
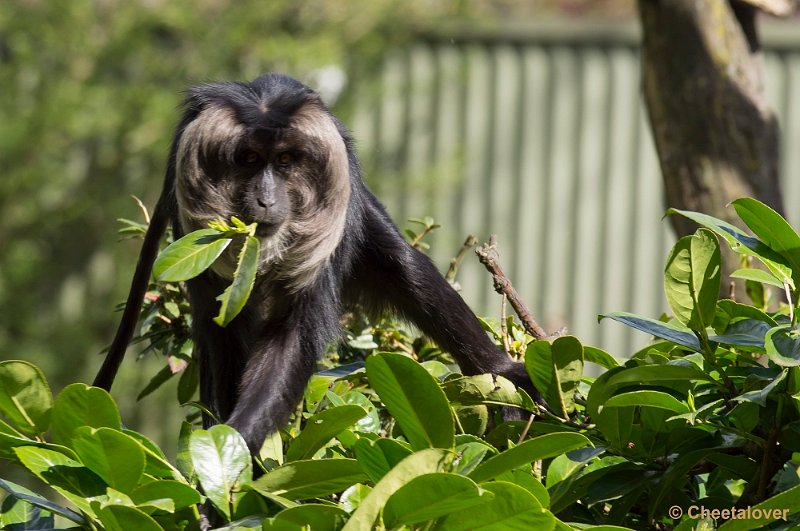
(249,158)
(284,159)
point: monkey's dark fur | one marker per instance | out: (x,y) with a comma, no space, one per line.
(270,152)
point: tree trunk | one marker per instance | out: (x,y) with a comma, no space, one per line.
(716,137)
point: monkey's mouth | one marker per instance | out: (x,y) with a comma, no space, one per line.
(267,230)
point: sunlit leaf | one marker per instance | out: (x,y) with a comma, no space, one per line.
(235,296)
(189,256)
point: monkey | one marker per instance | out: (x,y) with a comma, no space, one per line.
(271,153)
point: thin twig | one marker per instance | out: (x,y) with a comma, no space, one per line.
(490,258)
(526,429)
(455,263)
(504,326)
(143,208)
(424,232)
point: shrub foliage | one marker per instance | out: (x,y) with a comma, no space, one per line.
(699,428)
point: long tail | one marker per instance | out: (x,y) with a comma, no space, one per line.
(141,279)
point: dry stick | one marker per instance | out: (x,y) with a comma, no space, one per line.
(490,258)
(504,326)
(455,263)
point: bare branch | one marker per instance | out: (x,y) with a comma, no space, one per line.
(490,258)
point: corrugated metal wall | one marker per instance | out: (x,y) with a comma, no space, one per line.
(541,137)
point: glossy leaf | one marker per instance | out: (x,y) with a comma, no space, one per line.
(542,447)
(181,494)
(692,279)
(743,243)
(235,296)
(80,405)
(555,370)
(302,480)
(21,493)
(124,518)
(677,334)
(376,458)
(608,383)
(647,398)
(321,428)
(599,357)
(775,508)
(422,462)
(25,397)
(484,389)
(759,396)
(67,476)
(783,346)
(431,496)
(222,462)
(772,229)
(414,399)
(757,275)
(512,508)
(112,455)
(312,516)
(189,256)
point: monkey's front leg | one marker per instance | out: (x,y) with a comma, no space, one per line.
(272,384)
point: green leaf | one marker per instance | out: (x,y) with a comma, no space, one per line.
(646,398)
(782,344)
(512,508)
(555,370)
(272,449)
(772,229)
(422,462)
(759,396)
(542,447)
(181,494)
(189,256)
(692,279)
(25,397)
(80,405)
(112,455)
(188,383)
(183,459)
(568,464)
(484,389)
(156,381)
(757,275)
(744,333)
(778,507)
(353,496)
(21,493)
(67,476)
(599,357)
(568,367)
(302,480)
(677,334)
(414,398)
(235,296)
(376,458)
(431,496)
(608,383)
(308,516)
(742,243)
(222,463)
(124,518)
(321,428)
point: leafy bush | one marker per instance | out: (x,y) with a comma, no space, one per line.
(702,423)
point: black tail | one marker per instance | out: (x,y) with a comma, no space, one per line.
(141,279)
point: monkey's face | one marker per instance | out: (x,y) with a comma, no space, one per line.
(284,167)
